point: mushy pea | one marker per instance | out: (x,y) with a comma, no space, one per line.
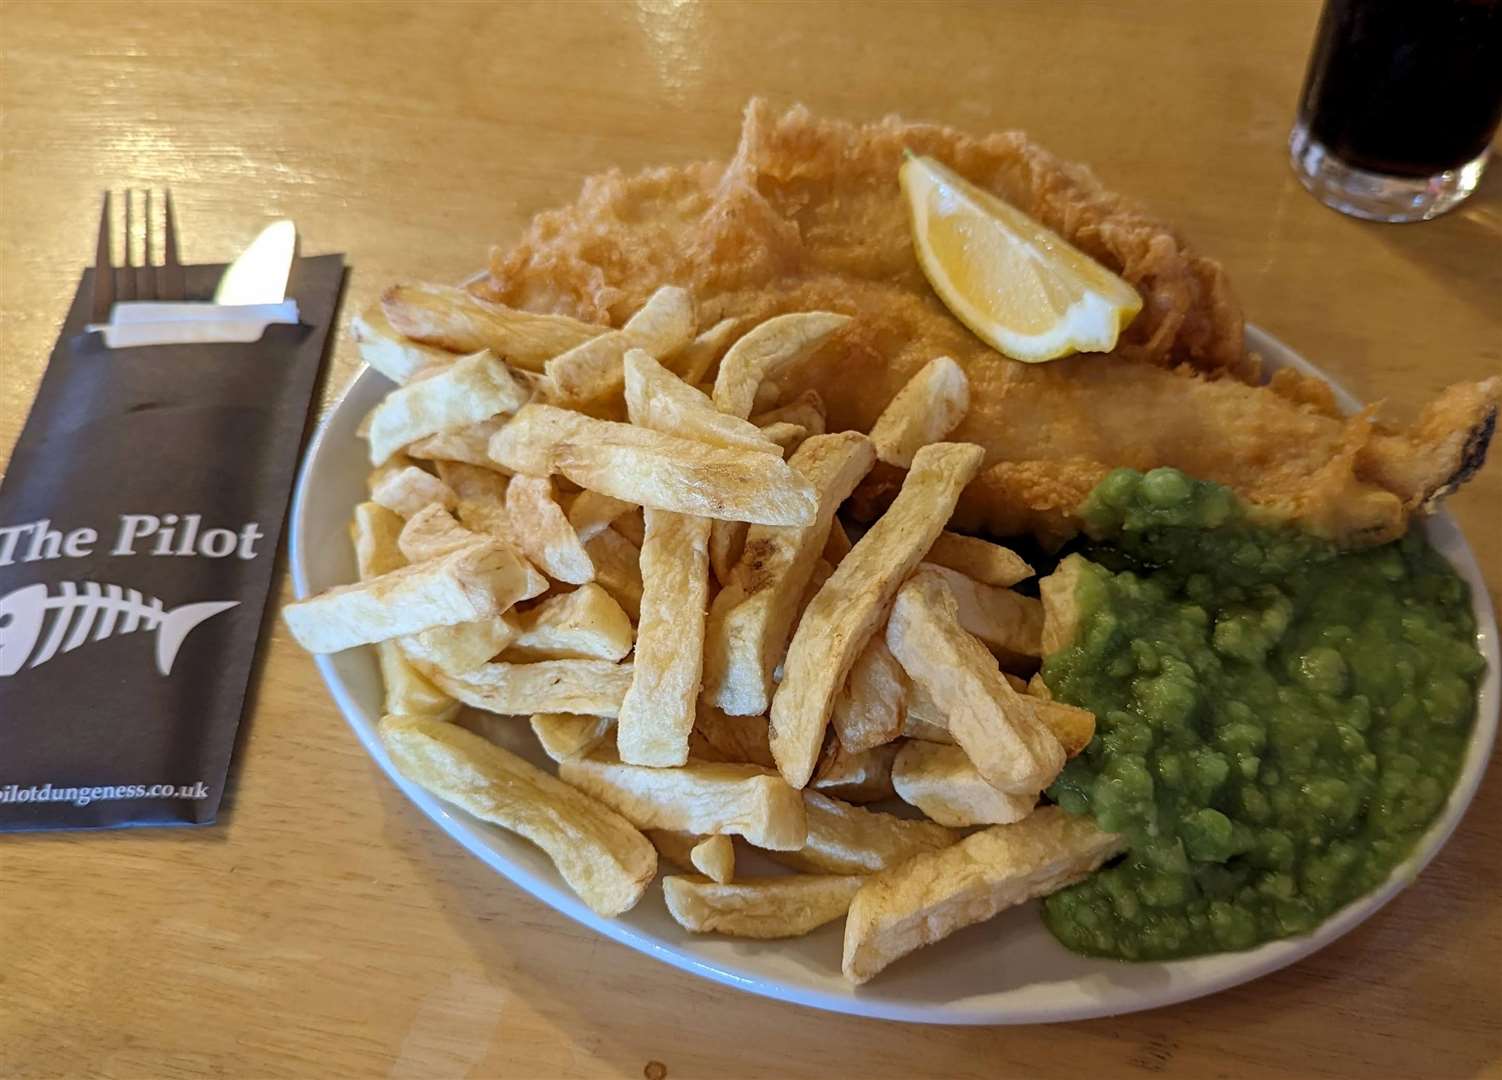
(1278,722)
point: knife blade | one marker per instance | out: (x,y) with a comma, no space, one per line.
(259,275)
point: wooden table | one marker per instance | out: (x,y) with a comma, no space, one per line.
(326,928)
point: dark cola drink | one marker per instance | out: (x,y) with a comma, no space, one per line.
(1400,104)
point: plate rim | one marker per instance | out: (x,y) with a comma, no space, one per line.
(975,1010)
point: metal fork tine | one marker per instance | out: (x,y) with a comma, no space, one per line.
(125,275)
(104,269)
(170,283)
(152,241)
(145,275)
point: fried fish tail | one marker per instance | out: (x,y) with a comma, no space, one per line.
(1362,491)
(1443,450)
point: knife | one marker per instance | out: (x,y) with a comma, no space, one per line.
(259,275)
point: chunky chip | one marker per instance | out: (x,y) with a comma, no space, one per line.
(565,736)
(940,781)
(392,465)
(769,395)
(664,324)
(633,526)
(461,322)
(592,373)
(765,351)
(584,624)
(374,532)
(658,399)
(471,583)
(658,712)
(865,777)
(388,351)
(654,470)
(932,895)
(998,728)
(474,483)
(469,445)
(699,797)
(823,571)
(542,530)
(987,563)
(851,605)
(714,857)
(927,408)
(617,563)
(409,689)
(590,687)
(869,708)
(606,861)
(432,533)
(845,839)
(1072,726)
(727,543)
(1008,622)
(675,846)
(922,716)
(699,357)
(765,908)
(787,437)
(1061,606)
(916,725)
(471,389)
(590,513)
(463,647)
(806,411)
(482,499)
(752,616)
(409,489)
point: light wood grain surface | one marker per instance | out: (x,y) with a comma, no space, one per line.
(324,927)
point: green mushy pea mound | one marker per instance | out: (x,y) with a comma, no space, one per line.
(1277,722)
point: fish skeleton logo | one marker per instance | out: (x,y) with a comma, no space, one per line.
(92,614)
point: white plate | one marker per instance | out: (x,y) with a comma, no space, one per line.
(1007,971)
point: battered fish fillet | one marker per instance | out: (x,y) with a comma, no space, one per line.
(808,215)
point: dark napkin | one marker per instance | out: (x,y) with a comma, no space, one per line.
(162,475)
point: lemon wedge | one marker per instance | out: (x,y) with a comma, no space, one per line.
(1019,286)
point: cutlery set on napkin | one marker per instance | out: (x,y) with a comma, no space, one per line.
(251,295)
(139,520)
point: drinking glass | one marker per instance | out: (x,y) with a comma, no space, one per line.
(1399,106)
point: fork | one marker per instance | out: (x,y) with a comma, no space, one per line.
(137,280)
